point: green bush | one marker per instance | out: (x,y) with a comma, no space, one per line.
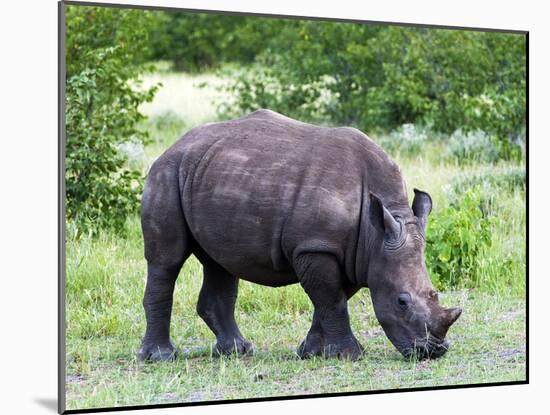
(197,41)
(492,185)
(456,238)
(408,139)
(373,77)
(474,146)
(381,77)
(477,146)
(258,87)
(166,124)
(506,179)
(105,49)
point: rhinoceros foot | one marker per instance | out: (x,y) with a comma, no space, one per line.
(347,348)
(313,345)
(156,353)
(237,346)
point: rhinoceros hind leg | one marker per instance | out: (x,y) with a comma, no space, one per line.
(167,244)
(157,301)
(330,334)
(216,306)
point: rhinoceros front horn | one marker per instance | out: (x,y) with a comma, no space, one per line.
(451,315)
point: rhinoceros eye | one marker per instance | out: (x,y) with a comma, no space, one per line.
(404,301)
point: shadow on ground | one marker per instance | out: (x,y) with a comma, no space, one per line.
(48,403)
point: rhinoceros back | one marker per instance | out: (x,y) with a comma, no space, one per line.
(259,190)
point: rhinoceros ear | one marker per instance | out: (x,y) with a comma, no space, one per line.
(422,206)
(382,219)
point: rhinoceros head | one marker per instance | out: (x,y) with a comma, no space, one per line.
(404,300)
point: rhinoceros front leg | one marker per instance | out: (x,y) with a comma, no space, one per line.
(330,334)
(216,306)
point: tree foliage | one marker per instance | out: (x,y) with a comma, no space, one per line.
(106,49)
(380,77)
(196,41)
(375,77)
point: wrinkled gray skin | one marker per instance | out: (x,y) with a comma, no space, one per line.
(276,201)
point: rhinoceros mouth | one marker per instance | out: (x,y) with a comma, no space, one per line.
(430,348)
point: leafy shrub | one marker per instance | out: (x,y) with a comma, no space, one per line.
(167,120)
(508,179)
(105,49)
(477,146)
(472,146)
(379,77)
(479,240)
(408,139)
(166,124)
(259,88)
(384,77)
(456,238)
(133,151)
(491,185)
(196,41)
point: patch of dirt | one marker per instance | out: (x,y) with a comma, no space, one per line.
(424,365)
(511,353)
(375,332)
(167,397)
(199,396)
(505,354)
(75,379)
(513,315)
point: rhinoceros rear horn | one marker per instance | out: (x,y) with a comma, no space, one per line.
(382,219)
(421,206)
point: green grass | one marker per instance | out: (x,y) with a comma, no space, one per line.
(105,319)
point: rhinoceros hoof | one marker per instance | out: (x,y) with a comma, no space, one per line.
(233,346)
(351,350)
(156,353)
(311,346)
(347,349)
